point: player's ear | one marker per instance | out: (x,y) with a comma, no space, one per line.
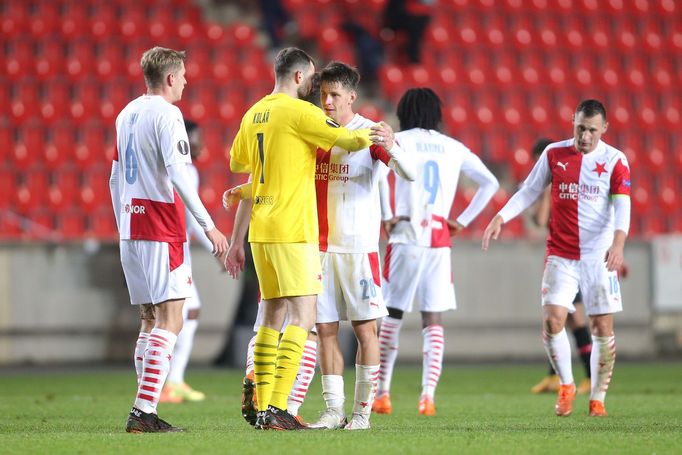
(606,127)
(353,96)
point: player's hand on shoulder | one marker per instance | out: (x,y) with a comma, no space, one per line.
(219,242)
(382,134)
(232,196)
(492,231)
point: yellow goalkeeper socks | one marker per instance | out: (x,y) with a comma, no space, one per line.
(264,358)
(288,360)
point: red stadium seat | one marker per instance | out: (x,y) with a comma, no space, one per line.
(14,19)
(50,60)
(25,103)
(133,22)
(94,192)
(29,148)
(81,58)
(61,145)
(86,103)
(45,20)
(495,30)
(32,193)
(115,95)
(71,224)
(91,146)
(103,224)
(8,186)
(74,21)
(108,60)
(56,100)
(105,22)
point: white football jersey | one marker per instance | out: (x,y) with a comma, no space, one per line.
(427,201)
(150,135)
(346,183)
(581,223)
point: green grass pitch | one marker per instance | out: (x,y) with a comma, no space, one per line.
(480,409)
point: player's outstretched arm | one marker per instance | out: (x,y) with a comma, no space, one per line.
(492,231)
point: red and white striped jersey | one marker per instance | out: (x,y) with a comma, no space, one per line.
(427,201)
(150,135)
(581,221)
(346,183)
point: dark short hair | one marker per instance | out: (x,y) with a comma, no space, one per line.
(420,108)
(291,59)
(540,146)
(339,72)
(591,108)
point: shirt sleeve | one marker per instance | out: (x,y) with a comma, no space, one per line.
(474,168)
(194,229)
(239,155)
(620,178)
(532,188)
(385,197)
(115,190)
(188,194)
(321,131)
(173,141)
(621,208)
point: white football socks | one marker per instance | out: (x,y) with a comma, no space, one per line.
(388,345)
(249,356)
(558,349)
(366,377)
(140,346)
(156,363)
(332,391)
(434,340)
(602,360)
(306,371)
(182,351)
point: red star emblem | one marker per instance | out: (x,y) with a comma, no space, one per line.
(169,357)
(363,404)
(425,223)
(189,280)
(601,167)
(319,277)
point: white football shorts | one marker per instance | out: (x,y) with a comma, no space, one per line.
(419,274)
(351,288)
(563,278)
(155,271)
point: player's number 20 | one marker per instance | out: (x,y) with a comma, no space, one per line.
(368,289)
(431,180)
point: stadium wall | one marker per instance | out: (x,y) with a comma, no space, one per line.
(69,303)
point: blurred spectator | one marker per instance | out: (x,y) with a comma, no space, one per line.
(411,17)
(276,21)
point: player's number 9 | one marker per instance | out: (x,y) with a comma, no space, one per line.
(131,162)
(261,154)
(431,180)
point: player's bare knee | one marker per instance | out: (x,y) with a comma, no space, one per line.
(553,323)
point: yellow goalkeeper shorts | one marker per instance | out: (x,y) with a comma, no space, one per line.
(287,269)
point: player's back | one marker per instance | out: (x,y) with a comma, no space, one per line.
(150,135)
(427,200)
(276,143)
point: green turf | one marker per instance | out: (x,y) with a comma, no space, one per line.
(481,409)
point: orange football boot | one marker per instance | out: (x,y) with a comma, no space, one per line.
(597,409)
(564,402)
(426,406)
(382,404)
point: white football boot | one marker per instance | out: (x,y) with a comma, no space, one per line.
(330,419)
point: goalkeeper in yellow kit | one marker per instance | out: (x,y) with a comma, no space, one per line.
(276,143)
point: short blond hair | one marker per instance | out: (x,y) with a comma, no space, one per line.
(157,62)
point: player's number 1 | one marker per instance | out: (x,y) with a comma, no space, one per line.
(431,180)
(261,154)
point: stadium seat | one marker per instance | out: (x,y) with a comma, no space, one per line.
(74,20)
(91,145)
(102,224)
(27,151)
(70,224)
(14,19)
(86,102)
(25,103)
(94,191)
(32,193)
(81,58)
(105,22)
(61,145)
(8,186)
(56,101)
(108,60)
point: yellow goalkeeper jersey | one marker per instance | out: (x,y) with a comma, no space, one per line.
(277,142)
